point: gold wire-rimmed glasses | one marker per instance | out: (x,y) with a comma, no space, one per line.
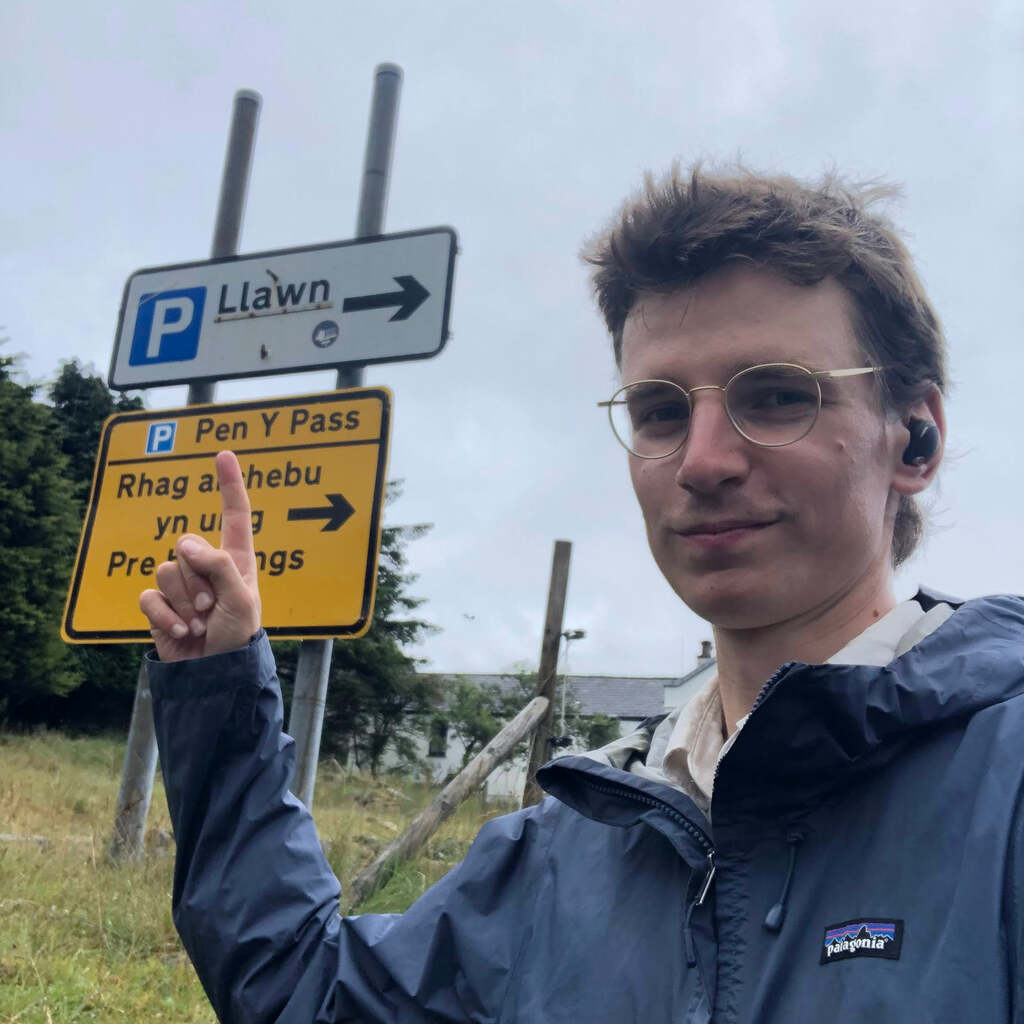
(771,405)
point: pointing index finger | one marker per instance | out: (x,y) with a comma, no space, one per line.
(236,526)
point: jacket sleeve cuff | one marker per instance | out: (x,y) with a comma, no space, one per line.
(252,664)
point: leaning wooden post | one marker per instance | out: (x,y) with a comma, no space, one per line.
(546,674)
(427,822)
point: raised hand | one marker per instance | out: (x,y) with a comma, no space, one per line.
(209,598)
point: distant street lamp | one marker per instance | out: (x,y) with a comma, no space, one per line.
(569,635)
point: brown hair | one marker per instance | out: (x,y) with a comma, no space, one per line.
(680,228)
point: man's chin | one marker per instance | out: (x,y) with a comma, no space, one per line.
(731,602)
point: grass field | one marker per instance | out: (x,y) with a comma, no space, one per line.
(83,941)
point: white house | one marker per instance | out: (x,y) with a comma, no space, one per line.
(629,699)
(679,691)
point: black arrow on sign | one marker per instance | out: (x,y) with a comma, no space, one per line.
(336,513)
(408,300)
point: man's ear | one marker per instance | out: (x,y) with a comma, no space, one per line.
(919,438)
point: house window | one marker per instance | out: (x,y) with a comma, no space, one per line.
(438,742)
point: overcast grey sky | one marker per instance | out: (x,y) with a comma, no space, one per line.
(523,126)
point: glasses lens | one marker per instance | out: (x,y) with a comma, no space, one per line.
(774,404)
(650,417)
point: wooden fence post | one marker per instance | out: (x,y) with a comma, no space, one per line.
(427,822)
(547,672)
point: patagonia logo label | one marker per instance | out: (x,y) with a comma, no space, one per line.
(864,936)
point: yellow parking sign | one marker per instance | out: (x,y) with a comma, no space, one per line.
(315,468)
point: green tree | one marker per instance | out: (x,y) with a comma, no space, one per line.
(375,698)
(597,730)
(474,712)
(585,732)
(39,526)
(82,402)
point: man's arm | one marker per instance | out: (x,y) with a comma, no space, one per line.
(1013,912)
(253,896)
(254,899)
(256,903)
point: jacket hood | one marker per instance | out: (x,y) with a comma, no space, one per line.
(815,727)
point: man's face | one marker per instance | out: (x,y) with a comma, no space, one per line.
(750,536)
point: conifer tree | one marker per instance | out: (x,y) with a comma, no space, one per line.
(108,673)
(375,698)
(39,526)
(82,402)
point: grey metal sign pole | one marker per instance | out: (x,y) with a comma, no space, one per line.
(306,718)
(140,754)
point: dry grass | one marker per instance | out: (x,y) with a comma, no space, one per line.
(83,941)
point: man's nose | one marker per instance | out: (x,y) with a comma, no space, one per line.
(714,452)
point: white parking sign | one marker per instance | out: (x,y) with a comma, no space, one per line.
(370,300)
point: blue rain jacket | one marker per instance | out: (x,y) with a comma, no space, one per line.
(865,863)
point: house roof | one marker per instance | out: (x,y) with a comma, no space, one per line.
(618,696)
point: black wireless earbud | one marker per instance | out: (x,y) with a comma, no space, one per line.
(924,442)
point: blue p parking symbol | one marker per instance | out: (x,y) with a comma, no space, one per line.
(167,326)
(161,437)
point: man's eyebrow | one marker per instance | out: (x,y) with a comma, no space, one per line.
(804,363)
(645,386)
(700,377)
(727,371)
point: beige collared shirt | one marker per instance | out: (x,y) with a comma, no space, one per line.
(689,743)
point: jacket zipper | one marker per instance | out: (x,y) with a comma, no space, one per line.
(697,833)
(688,945)
(758,701)
(708,879)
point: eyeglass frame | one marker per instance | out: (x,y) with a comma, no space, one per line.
(816,375)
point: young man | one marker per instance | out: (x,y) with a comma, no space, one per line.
(832,827)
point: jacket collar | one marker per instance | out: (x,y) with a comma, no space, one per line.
(609,794)
(815,726)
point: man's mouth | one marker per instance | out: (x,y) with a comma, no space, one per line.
(721,526)
(723,536)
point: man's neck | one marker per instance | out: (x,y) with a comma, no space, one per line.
(747,658)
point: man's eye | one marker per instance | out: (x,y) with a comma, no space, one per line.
(665,413)
(781,398)
(774,403)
